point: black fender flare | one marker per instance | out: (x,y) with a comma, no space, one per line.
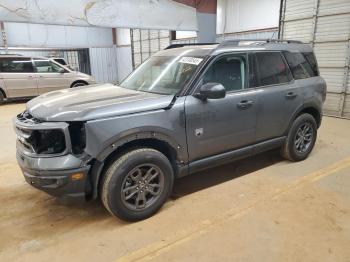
(99,162)
(300,109)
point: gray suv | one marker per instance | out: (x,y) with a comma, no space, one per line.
(187,108)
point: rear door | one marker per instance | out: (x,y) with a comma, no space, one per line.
(50,76)
(18,76)
(214,126)
(279,96)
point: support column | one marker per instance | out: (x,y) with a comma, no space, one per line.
(206,19)
(4,36)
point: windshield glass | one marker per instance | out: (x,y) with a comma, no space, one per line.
(162,74)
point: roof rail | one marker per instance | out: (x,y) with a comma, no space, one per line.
(188,44)
(11,54)
(237,41)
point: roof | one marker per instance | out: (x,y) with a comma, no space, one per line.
(189,50)
(238,45)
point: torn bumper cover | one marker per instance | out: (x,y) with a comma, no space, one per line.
(45,156)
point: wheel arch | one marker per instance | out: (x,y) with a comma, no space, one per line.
(309,109)
(78,81)
(3,92)
(312,111)
(152,140)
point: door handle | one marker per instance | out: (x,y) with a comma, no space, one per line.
(245,104)
(291,95)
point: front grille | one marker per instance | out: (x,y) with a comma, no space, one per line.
(26,117)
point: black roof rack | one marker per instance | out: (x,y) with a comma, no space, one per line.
(188,44)
(237,41)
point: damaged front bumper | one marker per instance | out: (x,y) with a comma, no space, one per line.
(65,177)
(61,174)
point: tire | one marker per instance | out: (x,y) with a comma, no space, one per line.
(1,98)
(76,84)
(301,138)
(122,192)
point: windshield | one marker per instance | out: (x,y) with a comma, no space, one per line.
(162,74)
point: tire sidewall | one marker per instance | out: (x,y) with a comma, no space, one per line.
(304,118)
(78,84)
(114,187)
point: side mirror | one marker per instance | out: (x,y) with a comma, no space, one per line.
(211,91)
(62,71)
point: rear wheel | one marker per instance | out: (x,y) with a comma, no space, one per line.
(301,138)
(137,184)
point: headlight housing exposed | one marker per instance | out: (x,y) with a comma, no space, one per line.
(50,141)
(77,137)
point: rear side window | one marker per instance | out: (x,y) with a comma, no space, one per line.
(311,59)
(16,65)
(272,69)
(299,65)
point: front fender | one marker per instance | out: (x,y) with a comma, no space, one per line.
(148,133)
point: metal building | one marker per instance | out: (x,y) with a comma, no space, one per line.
(325,24)
(145,42)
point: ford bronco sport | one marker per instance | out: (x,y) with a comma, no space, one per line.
(187,108)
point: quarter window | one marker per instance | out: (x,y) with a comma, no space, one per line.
(16,65)
(230,71)
(299,66)
(311,59)
(272,68)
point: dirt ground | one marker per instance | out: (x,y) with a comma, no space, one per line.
(258,209)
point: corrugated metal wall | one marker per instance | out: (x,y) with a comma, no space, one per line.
(261,34)
(104,65)
(145,43)
(325,24)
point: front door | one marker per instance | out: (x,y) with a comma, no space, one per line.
(216,126)
(50,76)
(18,76)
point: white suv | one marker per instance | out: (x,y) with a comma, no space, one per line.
(22,76)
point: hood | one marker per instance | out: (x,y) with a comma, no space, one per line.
(93,102)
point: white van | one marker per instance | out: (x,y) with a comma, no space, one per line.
(22,76)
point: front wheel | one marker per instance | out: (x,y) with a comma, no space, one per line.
(137,184)
(78,84)
(301,138)
(1,98)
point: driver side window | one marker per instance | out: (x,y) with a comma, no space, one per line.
(228,70)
